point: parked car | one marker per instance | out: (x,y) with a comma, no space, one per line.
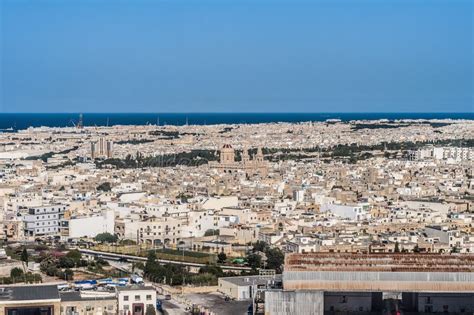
(159,305)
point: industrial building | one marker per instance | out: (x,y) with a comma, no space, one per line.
(244,287)
(381,283)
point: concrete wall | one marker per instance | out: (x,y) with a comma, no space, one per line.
(290,302)
(348,301)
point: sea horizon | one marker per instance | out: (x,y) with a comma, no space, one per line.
(21,121)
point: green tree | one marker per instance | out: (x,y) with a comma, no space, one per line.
(139,265)
(397,248)
(275,259)
(106,238)
(260,246)
(221,258)
(150,310)
(75,256)
(66,274)
(37,278)
(16,273)
(202,279)
(151,265)
(104,187)
(51,270)
(24,255)
(254,261)
(212,269)
(66,262)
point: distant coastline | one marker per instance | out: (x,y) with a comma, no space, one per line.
(20,121)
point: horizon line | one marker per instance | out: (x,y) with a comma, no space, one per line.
(233,113)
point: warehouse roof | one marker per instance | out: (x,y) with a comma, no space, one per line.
(29,293)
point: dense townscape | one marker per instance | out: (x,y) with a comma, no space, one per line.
(140,219)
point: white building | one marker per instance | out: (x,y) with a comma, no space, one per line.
(43,220)
(244,287)
(135,299)
(357,212)
(447,153)
(90,226)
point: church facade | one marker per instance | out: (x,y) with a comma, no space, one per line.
(255,165)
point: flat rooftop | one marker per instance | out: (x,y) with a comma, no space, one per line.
(77,296)
(251,280)
(29,293)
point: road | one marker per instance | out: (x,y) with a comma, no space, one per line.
(163,261)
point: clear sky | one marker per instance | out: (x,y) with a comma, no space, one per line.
(236,56)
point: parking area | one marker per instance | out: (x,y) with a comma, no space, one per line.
(216,303)
(171,307)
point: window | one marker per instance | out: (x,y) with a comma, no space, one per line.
(148,297)
(126,307)
(125,297)
(137,298)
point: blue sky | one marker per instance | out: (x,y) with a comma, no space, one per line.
(236,56)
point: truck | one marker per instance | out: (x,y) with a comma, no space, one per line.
(136,279)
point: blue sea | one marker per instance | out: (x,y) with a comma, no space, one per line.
(19,121)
